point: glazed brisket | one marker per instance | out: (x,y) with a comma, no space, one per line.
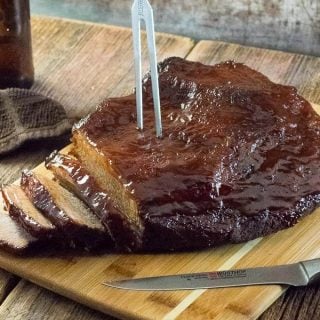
(13,237)
(71,174)
(22,210)
(239,158)
(69,214)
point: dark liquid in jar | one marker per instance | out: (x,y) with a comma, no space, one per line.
(16,66)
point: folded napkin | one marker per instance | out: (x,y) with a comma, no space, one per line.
(26,115)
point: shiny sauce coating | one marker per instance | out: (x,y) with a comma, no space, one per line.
(233,142)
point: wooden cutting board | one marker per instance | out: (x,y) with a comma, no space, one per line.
(80,64)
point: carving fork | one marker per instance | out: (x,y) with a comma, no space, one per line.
(142,10)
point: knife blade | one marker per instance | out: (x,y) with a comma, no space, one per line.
(297,274)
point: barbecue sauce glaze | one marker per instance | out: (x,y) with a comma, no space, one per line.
(239,157)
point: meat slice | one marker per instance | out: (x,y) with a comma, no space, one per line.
(22,210)
(68,213)
(13,237)
(72,175)
(239,158)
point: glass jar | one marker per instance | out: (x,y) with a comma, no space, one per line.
(16,65)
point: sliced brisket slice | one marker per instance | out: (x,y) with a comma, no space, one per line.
(13,237)
(68,213)
(71,174)
(26,214)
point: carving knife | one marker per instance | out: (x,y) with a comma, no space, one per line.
(297,274)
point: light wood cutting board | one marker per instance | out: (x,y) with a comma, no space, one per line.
(79,64)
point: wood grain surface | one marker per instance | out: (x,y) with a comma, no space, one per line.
(28,301)
(7,282)
(54,79)
(289,25)
(80,64)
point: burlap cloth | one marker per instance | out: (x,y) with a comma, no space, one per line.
(26,115)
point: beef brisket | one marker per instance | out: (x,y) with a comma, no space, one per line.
(75,177)
(22,210)
(239,158)
(13,237)
(69,214)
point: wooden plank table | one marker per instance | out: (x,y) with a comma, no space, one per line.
(292,25)
(64,62)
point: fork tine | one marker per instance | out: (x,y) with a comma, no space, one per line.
(142,10)
(137,61)
(153,66)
